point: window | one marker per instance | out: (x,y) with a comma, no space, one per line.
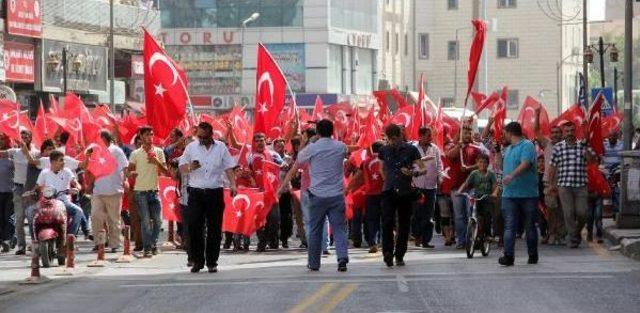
(508,48)
(452,4)
(452,50)
(397,41)
(513,99)
(386,41)
(424,46)
(448,102)
(506,4)
(406,44)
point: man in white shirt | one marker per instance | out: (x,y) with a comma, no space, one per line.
(61,179)
(106,202)
(206,161)
(20,163)
(426,181)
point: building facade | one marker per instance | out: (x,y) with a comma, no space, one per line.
(526,49)
(397,53)
(324,47)
(36,32)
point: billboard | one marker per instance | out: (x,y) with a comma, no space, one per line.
(24,18)
(19,62)
(87,67)
(290,58)
(212,70)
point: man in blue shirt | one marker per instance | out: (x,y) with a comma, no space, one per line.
(326,194)
(520,193)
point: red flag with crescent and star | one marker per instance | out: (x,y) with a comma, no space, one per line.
(165,88)
(270,91)
(169,199)
(101,163)
(527,118)
(242,213)
(574,114)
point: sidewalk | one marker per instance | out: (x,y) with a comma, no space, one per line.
(627,239)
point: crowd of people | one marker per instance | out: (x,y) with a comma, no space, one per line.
(537,189)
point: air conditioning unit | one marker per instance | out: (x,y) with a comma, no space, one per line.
(248,102)
(220,103)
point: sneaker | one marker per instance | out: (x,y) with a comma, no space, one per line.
(154,250)
(5,247)
(226,246)
(533,259)
(400,262)
(285,245)
(303,246)
(506,260)
(459,246)
(147,255)
(373,249)
(21,251)
(428,246)
(342,266)
(212,269)
(312,269)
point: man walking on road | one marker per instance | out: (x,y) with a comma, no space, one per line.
(569,164)
(398,159)
(427,185)
(145,163)
(519,194)
(326,194)
(206,161)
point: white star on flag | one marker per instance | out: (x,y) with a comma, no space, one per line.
(5,116)
(102,161)
(159,90)
(263,108)
(238,214)
(374,176)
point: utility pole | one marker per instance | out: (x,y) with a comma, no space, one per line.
(112,60)
(628,75)
(585,45)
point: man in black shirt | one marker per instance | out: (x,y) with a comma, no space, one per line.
(398,158)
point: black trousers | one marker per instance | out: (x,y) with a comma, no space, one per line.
(286,217)
(205,209)
(392,205)
(268,235)
(6,212)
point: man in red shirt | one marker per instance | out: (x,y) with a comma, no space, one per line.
(462,155)
(373,183)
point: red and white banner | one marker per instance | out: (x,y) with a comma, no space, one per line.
(24,18)
(19,62)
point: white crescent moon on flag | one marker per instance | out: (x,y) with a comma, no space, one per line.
(406,117)
(163,59)
(266,77)
(217,134)
(244,198)
(164,193)
(374,162)
(17,124)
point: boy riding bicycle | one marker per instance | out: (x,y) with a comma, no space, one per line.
(484,183)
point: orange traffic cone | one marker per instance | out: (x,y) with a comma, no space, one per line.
(71,255)
(100,262)
(126,250)
(35,277)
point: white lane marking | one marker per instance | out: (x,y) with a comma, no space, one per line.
(362,281)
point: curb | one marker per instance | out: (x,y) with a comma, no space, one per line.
(629,242)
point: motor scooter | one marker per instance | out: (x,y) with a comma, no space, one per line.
(50,226)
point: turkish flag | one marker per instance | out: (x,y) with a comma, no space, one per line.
(371,131)
(527,118)
(595,126)
(574,114)
(271,181)
(342,114)
(10,121)
(487,102)
(355,200)
(474,55)
(241,126)
(242,213)
(169,199)
(478,98)
(359,156)
(381,97)
(102,116)
(101,163)
(165,88)
(128,127)
(402,102)
(45,128)
(611,123)
(597,182)
(270,91)
(500,115)
(403,117)
(318,110)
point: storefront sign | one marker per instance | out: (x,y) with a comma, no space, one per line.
(290,58)
(86,67)
(199,37)
(24,18)
(359,40)
(212,70)
(19,62)
(137,66)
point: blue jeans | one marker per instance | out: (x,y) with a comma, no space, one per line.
(422,225)
(594,216)
(461,210)
(512,209)
(150,218)
(305,204)
(373,216)
(320,209)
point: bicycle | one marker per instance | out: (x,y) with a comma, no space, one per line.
(474,242)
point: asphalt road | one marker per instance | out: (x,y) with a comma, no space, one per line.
(590,279)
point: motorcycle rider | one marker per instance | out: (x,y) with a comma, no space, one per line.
(61,179)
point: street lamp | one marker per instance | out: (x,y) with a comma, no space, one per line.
(250,19)
(601,49)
